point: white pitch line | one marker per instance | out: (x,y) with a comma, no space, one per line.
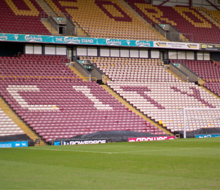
(124,152)
(73,150)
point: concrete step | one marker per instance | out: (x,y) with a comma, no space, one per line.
(49,27)
(78,73)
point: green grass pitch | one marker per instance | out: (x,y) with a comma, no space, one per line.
(171,164)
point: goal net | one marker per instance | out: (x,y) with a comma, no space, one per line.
(198,118)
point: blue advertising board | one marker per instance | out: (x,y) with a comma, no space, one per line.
(207,136)
(13,144)
(74,40)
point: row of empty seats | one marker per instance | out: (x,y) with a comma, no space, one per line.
(165,102)
(106,19)
(189,21)
(7,126)
(40,65)
(121,69)
(209,71)
(21,17)
(161,100)
(65,109)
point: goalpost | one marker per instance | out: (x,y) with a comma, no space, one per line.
(208,117)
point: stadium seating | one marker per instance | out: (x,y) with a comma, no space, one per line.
(58,108)
(105,19)
(188,21)
(21,17)
(35,65)
(214,14)
(132,69)
(7,126)
(157,93)
(206,70)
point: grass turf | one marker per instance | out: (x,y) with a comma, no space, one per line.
(177,164)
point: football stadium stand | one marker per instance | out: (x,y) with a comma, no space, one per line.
(133,69)
(63,107)
(189,21)
(209,71)
(157,93)
(116,21)
(21,17)
(7,126)
(53,102)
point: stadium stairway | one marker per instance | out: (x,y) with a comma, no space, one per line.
(46,8)
(49,27)
(131,108)
(49,12)
(77,73)
(168,70)
(79,30)
(9,112)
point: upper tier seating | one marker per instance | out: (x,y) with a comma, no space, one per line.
(62,108)
(21,17)
(189,21)
(7,126)
(105,19)
(159,97)
(212,13)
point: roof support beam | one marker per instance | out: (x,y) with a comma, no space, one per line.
(164,2)
(213,5)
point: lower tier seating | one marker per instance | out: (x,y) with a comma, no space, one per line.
(165,101)
(214,87)
(63,109)
(133,69)
(7,126)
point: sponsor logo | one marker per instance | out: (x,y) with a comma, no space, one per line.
(71,40)
(13,144)
(192,46)
(161,44)
(210,47)
(3,38)
(17,144)
(24,144)
(139,139)
(59,39)
(113,42)
(71,142)
(142,43)
(33,38)
(207,136)
(16,37)
(5,145)
(128,42)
